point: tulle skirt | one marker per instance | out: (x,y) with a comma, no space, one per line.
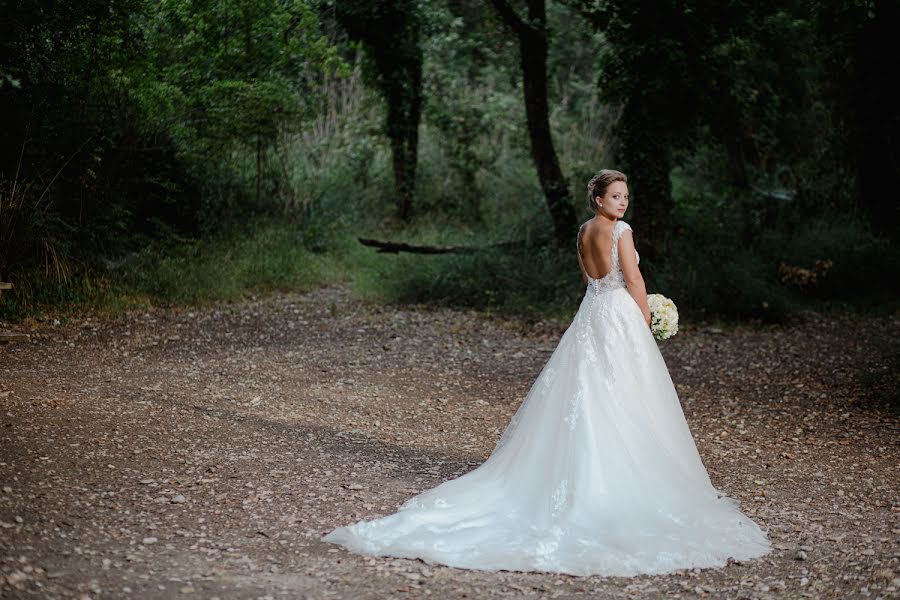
(596,474)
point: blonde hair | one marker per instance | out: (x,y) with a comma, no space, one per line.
(599,182)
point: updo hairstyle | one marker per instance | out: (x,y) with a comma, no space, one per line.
(599,182)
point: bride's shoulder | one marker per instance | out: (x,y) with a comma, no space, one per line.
(622,226)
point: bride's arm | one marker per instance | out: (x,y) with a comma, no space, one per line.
(633,278)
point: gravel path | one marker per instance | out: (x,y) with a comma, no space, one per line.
(202,454)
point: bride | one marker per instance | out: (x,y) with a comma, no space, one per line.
(597,472)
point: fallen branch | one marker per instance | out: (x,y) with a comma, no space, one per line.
(397,247)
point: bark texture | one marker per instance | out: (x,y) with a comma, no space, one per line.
(532,36)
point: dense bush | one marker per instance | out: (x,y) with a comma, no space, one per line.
(131,121)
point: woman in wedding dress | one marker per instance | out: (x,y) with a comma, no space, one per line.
(597,472)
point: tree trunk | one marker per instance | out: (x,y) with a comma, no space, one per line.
(532,37)
(404,112)
(644,150)
(390,34)
(877,107)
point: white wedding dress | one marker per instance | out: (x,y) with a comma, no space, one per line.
(596,473)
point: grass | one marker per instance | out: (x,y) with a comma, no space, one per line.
(269,256)
(258,258)
(531,281)
(263,256)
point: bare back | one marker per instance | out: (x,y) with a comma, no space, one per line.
(595,242)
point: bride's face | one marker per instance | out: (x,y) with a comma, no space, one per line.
(614,202)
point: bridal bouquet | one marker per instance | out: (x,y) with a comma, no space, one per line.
(663,316)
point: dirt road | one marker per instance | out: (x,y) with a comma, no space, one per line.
(201,454)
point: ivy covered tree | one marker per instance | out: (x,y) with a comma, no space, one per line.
(734,76)
(390,33)
(655,66)
(860,45)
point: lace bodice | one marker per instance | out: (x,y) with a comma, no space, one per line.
(615,279)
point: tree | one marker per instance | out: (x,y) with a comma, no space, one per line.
(390,34)
(232,78)
(861,45)
(654,68)
(671,65)
(532,36)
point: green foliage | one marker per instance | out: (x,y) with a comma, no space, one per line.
(390,31)
(475,166)
(236,78)
(35,250)
(762,84)
(338,163)
(261,257)
(69,126)
(136,120)
(865,269)
(531,281)
(726,262)
(186,151)
(474,145)
(462,109)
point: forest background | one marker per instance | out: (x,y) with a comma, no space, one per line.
(186,151)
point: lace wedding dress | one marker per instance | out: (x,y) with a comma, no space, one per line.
(596,473)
